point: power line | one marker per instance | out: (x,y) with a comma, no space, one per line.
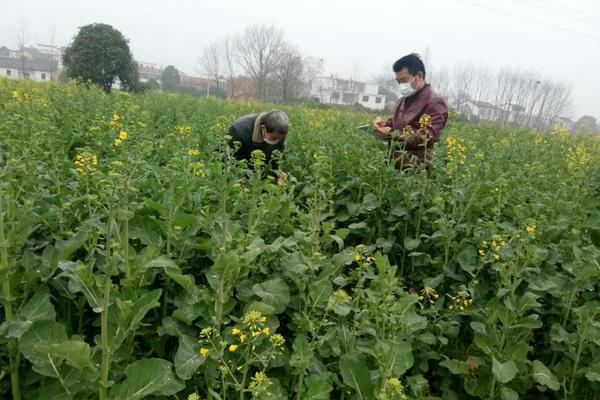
(530,20)
(561,13)
(567,8)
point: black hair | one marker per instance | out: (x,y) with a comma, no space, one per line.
(412,63)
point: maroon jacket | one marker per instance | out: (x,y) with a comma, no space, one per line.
(408,112)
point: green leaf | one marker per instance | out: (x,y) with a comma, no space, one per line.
(400,357)
(456,367)
(467,258)
(264,308)
(508,394)
(274,292)
(411,244)
(318,388)
(504,372)
(370,202)
(319,292)
(82,280)
(42,333)
(356,375)
(485,343)
(592,376)
(174,273)
(129,316)
(75,353)
(147,377)
(544,376)
(38,308)
(302,355)
(187,360)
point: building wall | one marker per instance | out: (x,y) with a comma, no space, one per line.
(332,95)
(41,76)
(375,102)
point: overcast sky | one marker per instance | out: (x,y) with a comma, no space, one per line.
(557,38)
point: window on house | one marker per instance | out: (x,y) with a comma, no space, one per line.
(365,98)
(26,75)
(8,72)
(43,76)
(335,95)
(378,100)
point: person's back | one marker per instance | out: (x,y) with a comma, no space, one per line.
(265,132)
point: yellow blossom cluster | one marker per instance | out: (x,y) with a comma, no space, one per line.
(123,135)
(578,157)
(114,122)
(460,302)
(492,247)
(184,129)
(456,151)
(427,296)
(85,159)
(424,120)
(198,169)
(360,258)
(560,130)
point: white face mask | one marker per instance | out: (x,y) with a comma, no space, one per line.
(406,89)
(271,142)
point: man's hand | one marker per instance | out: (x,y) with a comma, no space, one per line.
(283,178)
(379,122)
(383,132)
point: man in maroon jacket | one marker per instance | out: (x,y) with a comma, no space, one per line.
(419,116)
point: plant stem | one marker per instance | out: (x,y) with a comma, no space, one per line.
(105,367)
(8,311)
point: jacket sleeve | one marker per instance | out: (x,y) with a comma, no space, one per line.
(438,113)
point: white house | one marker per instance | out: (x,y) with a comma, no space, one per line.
(333,90)
(149,71)
(481,110)
(30,63)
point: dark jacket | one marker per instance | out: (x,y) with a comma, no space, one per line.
(408,112)
(246,130)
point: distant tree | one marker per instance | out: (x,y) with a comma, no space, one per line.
(153,84)
(213,63)
(170,79)
(258,50)
(586,124)
(100,53)
(288,74)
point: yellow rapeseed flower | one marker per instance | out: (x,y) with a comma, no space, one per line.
(266,331)
(123,135)
(193,396)
(233,347)
(424,120)
(236,331)
(530,228)
(203,352)
(117,142)
(194,152)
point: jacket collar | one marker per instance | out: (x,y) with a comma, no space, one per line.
(256,133)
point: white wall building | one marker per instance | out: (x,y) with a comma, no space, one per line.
(30,63)
(332,90)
